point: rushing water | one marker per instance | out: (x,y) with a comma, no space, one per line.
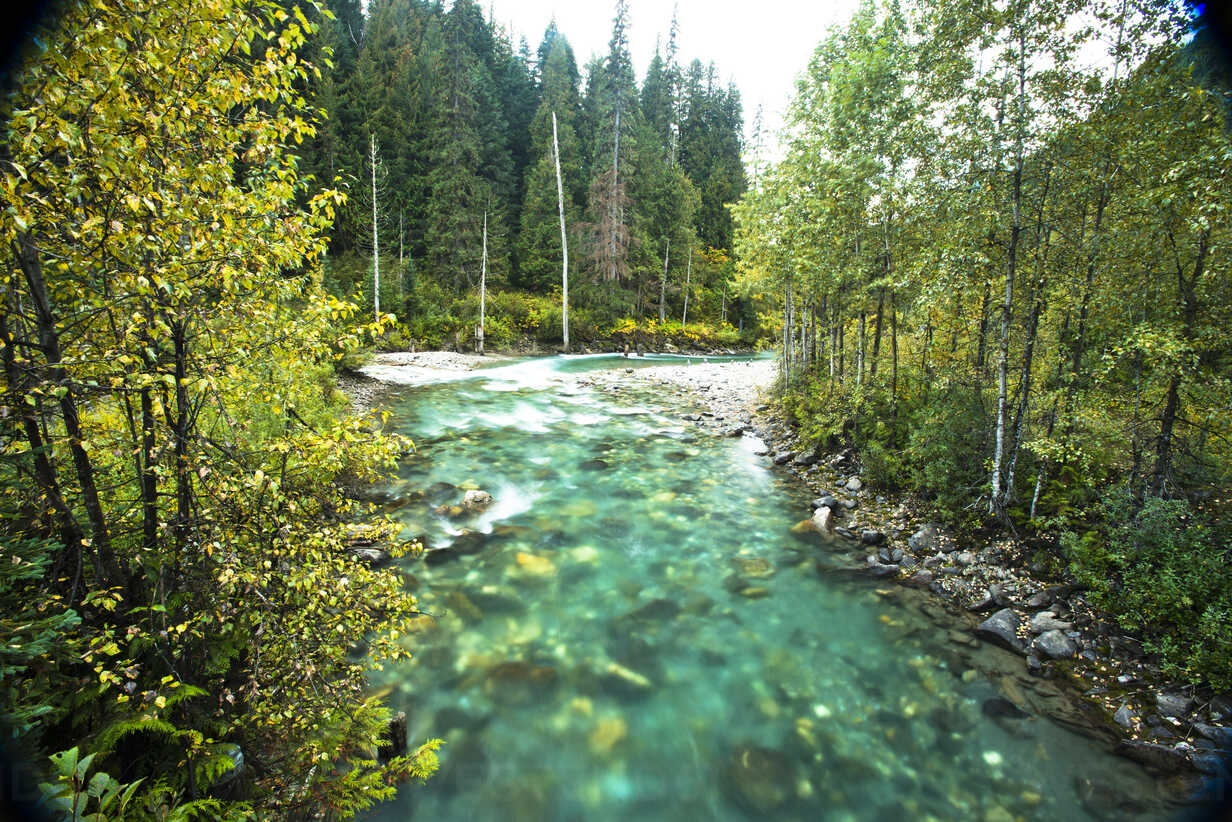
(632,631)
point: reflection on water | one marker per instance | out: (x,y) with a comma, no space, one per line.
(631,631)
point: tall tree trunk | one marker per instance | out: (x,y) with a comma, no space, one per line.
(997,502)
(893,356)
(483,282)
(376,241)
(1189,314)
(49,341)
(688,275)
(45,471)
(564,241)
(667,249)
(860,351)
(877,333)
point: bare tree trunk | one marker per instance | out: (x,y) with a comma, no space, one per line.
(483,282)
(723,318)
(564,240)
(688,274)
(893,355)
(376,242)
(997,502)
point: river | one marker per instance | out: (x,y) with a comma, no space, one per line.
(632,631)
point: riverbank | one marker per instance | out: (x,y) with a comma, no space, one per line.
(991,589)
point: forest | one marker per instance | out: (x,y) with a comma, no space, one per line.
(999,235)
(440,127)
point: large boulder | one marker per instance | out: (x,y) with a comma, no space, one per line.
(823,520)
(924,541)
(475,501)
(1055,645)
(1172,704)
(1002,629)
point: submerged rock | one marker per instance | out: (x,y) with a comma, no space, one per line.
(518,683)
(620,681)
(532,565)
(758,779)
(607,733)
(823,520)
(754,567)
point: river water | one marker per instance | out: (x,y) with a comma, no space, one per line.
(632,631)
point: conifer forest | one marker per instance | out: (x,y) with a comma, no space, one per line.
(405,415)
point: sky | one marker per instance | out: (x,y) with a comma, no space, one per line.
(760,45)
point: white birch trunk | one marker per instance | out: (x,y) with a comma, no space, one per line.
(376,243)
(688,273)
(564,240)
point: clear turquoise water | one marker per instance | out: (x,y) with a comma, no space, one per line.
(824,697)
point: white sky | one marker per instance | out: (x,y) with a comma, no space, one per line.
(761,46)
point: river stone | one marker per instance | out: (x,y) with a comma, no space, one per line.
(879,569)
(854,484)
(759,780)
(1123,716)
(620,681)
(372,557)
(921,579)
(924,541)
(965,558)
(593,465)
(1157,757)
(755,567)
(805,458)
(1047,621)
(825,501)
(1220,736)
(735,430)
(1172,704)
(475,501)
(1055,644)
(656,609)
(518,683)
(783,457)
(531,565)
(496,599)
(460,604)
(469,542)
(1002,629)
(870,536)
(823,520)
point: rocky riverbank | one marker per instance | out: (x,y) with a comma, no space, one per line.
(989,589)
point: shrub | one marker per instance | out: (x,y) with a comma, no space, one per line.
(1160,571)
